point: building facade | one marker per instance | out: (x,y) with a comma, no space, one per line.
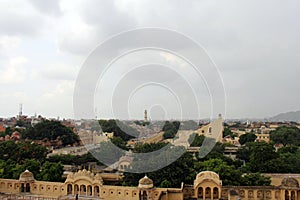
(87,185)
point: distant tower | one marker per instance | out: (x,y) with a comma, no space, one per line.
(145,116)
(20,111)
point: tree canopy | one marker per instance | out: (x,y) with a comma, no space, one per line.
(119,128)
(286,136)
(51,130)
(248,137)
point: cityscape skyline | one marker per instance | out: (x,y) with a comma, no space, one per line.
(43,46)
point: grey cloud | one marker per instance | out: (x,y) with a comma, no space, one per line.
(47,6)
(13,24)
(105,20)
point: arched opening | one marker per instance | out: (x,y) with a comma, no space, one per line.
(82,190)
(89,190)
(286,195)
(27,187)
(200,192)
(76,189)
(96,191)
(216,193)
(207,193)
(143,195)
(22,187)
(69,189)
(293,195)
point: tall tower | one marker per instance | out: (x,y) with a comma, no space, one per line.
(145,116)
(20,111)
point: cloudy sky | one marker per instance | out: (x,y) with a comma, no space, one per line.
(254,43)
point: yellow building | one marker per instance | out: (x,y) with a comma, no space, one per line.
(87,185)
(262,137)
(213,129)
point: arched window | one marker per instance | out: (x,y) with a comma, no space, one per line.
(89,190)
(27,187)
(143,195)
(82,190)
(286,195)
(69,189)
(216,193)
(96,191)
(76,189)
(22,187)
(200,192)
(293,195)
(207,193)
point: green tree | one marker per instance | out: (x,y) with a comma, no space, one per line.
(51,172)
(227,131)
(51,130)
(119,142)
(228,174)
(119,129)
(261,156)
(165,184)
(286,136)
(255,179)
(198,140)
(179,171)
(248,137)
(170,129)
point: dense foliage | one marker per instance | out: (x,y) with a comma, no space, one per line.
(119,128)
(15,158)
(19,152)
(248,137)
(51,130)
(286,136)
(170,129)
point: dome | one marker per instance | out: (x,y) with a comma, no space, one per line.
(208,175)
(125,159)
(26,176)
(290,182)
(145,183)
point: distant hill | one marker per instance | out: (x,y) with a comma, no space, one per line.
(288,116)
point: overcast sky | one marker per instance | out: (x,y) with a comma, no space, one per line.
(255,44)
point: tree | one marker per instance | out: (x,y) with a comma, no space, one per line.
(198,140)
(255,179)
(51,172)
(119,142)
(260,157)
(182,170)
(228,174)
(170,129)
(227,131)
(119,129)
(286,136)
(165,184)
(248,137)
(21,151)
(51,130)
